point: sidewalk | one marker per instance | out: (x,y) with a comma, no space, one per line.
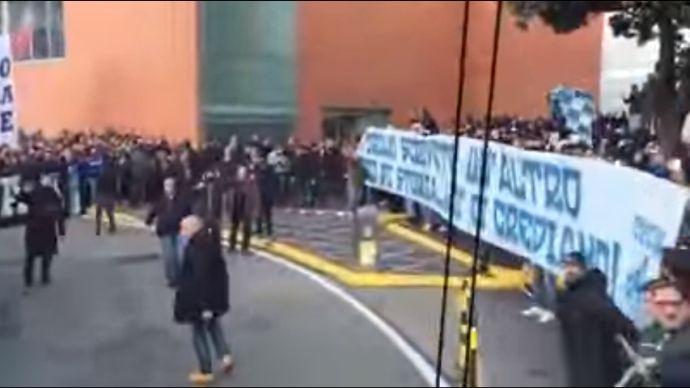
(330,234)
(323,241)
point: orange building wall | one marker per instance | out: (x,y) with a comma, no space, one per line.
(400,55)
(128,64)
(404,55)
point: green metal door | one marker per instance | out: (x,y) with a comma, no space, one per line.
(247,68)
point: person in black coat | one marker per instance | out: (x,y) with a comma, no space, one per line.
(332,174)
(168,212)
(202,297)
(45,222)
(242,205)
(590,322)
(106,195)
(307,166)
(227,169)
(268,187)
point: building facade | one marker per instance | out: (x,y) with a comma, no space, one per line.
(308,69)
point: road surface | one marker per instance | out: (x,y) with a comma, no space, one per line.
(107,321)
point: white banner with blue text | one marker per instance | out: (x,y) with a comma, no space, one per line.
(538,205)
(8,126)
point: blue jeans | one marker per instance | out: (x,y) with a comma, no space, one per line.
(171,260)
(201,331)
(545,289)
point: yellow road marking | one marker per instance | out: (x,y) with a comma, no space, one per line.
(354,278)
(499,278)
(513,277)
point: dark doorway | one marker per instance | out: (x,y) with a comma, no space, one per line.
(345,123)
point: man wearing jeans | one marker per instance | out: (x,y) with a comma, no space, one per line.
(169,212)
(202,296)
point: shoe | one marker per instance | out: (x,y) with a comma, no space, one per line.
(199,378)
(531,312)
(228,364)
(546,316)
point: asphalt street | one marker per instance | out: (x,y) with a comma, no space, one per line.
(107,321)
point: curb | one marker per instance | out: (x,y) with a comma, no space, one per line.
(373,279)
(499,278)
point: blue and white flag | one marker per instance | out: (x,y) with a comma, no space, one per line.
(575,109)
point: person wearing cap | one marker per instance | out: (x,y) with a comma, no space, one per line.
(675,357)
(590,322)
(202,296)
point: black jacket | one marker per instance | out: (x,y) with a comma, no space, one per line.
(107,181)
(590,322)
(45,221)
(268,181)
(169,213)
(307,165)
(203,281)
(333,165)
(675,360)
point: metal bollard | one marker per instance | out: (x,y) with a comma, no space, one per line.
(474,364)
(466,326)
(366,235)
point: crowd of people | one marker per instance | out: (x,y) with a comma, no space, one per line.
(188,192)
(130,169)
(602,347)
(612,139)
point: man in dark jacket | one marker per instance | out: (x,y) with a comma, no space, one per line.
(140,170)
(332,174)
(675,357)
(45,222)
(268,187)
(590,322)
(227,169)
(85,189)
(307,169)
(202,296)
(169,211)
(243,205)
(106,195)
